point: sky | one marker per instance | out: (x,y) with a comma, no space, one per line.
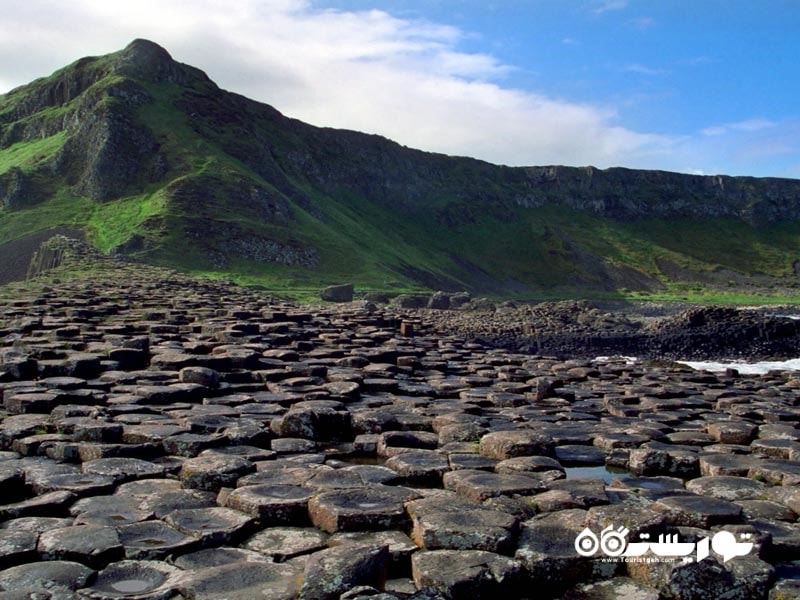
(696,86)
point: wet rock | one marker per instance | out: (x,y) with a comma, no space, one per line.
(502,445)
(212,526)
(12,481)
(419,465)
(732,432)
(663,461)
(191,444)
(272,504)
(614,589)
(200,375)
(217,557)
(546,548)
(283,543)
(241,581)
(726,487)
(379,507)
(698,511)
(585,492)
(17,547)
(398,544)
(742,578)
(480,485)
(453,524)
(152,540)
(785,589)
(212,472)
(51,504)
(650,487)
(54,576)
(123,469)
(726,464)
(81,484)
(160,503)
(92,545)
(393,443)
(319,420)
(331,572)
(468,574)
(573,455)
(134,580)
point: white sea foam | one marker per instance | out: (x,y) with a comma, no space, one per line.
(745,368)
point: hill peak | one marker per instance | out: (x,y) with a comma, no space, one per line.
(145,53)
(143,59)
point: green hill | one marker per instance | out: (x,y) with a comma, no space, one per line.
(151,159)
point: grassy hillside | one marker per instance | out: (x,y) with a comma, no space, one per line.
(152,160)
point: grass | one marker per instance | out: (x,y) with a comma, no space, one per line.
(113,223)
(27,155)
(544,253)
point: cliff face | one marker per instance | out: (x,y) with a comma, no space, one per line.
(626,193)
(156,160)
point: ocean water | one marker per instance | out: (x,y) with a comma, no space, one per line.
(745,368)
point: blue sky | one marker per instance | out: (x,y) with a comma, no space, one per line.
(699,86)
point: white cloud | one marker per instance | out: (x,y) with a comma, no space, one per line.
(402,78)
(603,6)
(644,70)
(643,23)
(406,79)
(749,125)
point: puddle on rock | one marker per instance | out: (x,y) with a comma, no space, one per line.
(607,474)
(132,586)
(360,459)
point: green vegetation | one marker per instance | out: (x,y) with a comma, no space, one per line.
(27,155)
(114,223)
(239,172)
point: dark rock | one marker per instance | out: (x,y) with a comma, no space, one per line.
(212,472)
(337,293)
(212,526)
(153,540)
(17,547)
(272,504)
(54,576)
(284,543)
(378,507)
(439,301)
(242,580)
(480,485)
(502,445)
(411,300)
(92,545)
(698,511)
(453,524)
(468,574)
(329,573)
(133,579)
(199,375)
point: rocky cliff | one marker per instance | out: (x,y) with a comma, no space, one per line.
(152,158)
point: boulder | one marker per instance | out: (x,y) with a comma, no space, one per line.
(337,293)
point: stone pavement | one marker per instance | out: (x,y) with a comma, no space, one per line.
(168,437)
